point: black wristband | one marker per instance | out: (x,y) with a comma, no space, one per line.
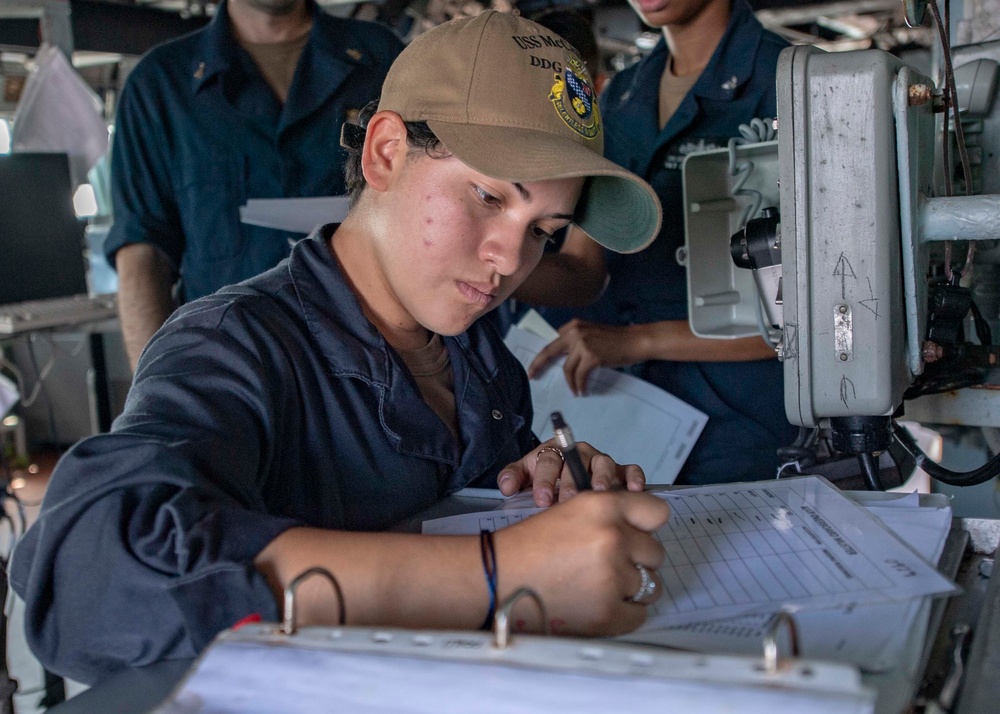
(489,556)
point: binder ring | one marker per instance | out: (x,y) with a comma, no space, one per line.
(772,661)
(501,623)
(288,621)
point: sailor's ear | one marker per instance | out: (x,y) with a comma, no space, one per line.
(385,149)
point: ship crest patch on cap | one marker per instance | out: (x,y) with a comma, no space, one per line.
(573,97)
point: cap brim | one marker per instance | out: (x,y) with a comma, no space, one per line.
(618,209)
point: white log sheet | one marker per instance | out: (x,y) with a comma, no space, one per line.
(735,549)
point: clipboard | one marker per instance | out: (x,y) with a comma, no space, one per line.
(265,668)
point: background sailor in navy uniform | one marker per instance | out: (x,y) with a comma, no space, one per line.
(250,106)
(640,320)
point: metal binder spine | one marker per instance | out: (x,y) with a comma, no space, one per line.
(562,655)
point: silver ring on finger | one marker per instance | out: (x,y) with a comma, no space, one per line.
(647,588)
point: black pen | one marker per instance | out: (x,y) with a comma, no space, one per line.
(564,438)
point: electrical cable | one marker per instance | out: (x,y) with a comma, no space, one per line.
(757,130)
(990,35)
(986,472)
(950,96)
(949,78)
(762,327)
(49,409)
(963,151)
(8,493)
(983,330)
(50,363)
(869,469)
(741,173)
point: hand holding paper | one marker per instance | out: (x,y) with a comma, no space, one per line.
(586,346)
(623,416)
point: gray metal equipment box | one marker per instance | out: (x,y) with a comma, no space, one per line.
(852,177)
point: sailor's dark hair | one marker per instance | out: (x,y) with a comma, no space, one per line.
(419,137)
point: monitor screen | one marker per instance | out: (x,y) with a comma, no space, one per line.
(41,239)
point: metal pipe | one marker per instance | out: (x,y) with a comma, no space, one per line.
(960,218)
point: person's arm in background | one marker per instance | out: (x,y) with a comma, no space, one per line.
(145,298)
(573,277)
(146,239)
(576,276)
(588,345)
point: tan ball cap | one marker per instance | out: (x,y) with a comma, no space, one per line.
(514,101)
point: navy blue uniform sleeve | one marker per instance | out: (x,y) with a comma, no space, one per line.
(142,197)
(145,544)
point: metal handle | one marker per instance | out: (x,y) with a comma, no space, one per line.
(501,622)
(288,621)
(772,661)
(949,691)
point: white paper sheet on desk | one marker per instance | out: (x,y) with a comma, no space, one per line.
(756,548)
(873,636)
(298,215)
(624,416)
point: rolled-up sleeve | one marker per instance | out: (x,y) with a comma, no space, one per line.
(143,202)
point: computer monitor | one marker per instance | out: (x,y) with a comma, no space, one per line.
(41,239)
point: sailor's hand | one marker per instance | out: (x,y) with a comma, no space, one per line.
(582,559)
(543,469)
(587,346)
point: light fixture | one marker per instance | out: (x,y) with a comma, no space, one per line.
(84,201)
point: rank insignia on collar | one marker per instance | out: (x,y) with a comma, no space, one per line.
(353,54)
(200,72)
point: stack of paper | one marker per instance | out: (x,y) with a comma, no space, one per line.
(871,636)
(856,578)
